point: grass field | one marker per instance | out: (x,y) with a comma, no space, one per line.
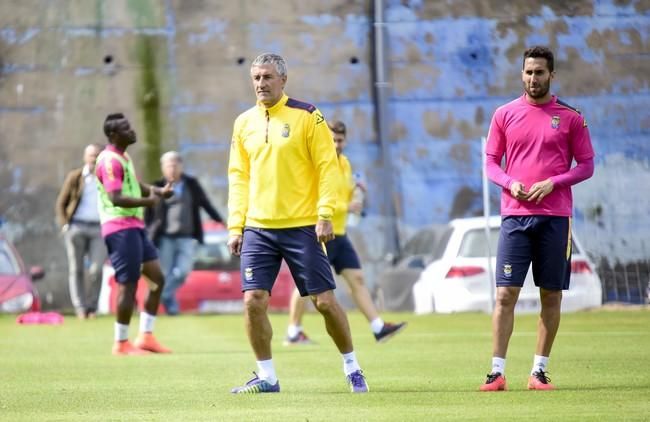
(431,371)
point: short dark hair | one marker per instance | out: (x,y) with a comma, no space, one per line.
(337,126)
(540,52)
(109,123)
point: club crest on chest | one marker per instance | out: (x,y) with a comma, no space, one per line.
(286,130)
(555,122)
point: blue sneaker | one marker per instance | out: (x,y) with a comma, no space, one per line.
(357,382)
(257,385)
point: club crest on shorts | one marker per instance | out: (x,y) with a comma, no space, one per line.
(555,122)
(248,273)
(507,270)
(286,130)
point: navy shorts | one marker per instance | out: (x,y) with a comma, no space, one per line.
(262,253)
(127,250)
(543,240)
(342,255)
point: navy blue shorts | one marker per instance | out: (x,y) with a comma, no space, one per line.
(342,255)
(262,253)
(127,250)
(543,240)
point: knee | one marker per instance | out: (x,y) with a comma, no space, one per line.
(551,298)
(355,280)
(506,299)
(152,274)
(126,294)
(160,285)
(325,302)
(184,268)
(255,301)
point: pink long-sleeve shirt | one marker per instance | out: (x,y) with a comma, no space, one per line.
(540,141)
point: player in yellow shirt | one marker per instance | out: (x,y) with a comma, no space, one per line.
(342,256)
(282,194)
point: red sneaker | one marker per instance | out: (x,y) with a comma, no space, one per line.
(495,382)
(123,348)
(539,381)
(300,338)
(146,341)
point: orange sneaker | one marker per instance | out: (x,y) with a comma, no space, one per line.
(146,341)
(495,382)
(539,381)
(123,348)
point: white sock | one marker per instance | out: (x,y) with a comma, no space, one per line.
(146,322)
(539,363)
(376,325)
(266,371)
(498,365)
(121,332)
(350,363)
(293,330)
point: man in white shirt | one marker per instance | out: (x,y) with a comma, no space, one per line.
(78,216)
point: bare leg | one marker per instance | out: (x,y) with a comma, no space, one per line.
(336,321)
(152,271)
(258,326)
(549,320)
(125,302)
(296,308)
(360,293)
(503,319)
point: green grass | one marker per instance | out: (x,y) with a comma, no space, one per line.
(431,371)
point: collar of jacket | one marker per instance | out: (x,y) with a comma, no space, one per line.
(275,107)
(162,181)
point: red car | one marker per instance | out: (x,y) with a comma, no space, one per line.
(17,293)
(214,285)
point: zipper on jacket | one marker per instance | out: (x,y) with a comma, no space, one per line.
(267,126)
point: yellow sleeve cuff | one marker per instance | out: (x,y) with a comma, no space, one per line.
(325,213)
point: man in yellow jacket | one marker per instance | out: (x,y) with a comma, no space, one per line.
(342,256)
(282,195)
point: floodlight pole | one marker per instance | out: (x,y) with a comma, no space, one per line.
(486,214)
(382,88)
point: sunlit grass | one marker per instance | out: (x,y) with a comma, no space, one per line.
(431,371)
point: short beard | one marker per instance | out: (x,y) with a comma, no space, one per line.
(542,93)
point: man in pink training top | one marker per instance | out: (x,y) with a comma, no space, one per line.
(540,137)
(121,201)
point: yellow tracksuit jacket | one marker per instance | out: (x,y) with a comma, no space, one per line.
(282,170)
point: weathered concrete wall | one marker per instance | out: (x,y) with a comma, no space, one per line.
(179,69)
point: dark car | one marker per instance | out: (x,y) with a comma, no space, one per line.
(17,293)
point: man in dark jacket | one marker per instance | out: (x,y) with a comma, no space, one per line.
(175,226)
